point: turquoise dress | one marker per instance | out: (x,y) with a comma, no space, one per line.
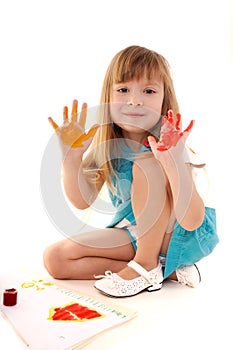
(185,247)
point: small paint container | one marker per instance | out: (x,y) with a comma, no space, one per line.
(10,297)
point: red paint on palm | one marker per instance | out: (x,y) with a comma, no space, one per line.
(171,132)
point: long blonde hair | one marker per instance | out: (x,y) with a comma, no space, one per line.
(128,64)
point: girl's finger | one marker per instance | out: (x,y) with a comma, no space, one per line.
(85,137)
(152,143)
(178,120)
(65,114)
(74,112)
(189,127)
(155,145)
(170,116)
(83,116)
(54,125)
(90,133)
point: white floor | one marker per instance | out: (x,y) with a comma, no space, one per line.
(177,317)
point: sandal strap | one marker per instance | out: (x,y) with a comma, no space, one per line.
(139,269)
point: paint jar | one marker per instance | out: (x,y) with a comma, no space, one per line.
(10,297)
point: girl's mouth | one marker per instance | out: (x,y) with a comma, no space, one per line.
(134,115)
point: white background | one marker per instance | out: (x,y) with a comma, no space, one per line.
(55,51)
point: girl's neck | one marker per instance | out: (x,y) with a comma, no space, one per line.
(134,140)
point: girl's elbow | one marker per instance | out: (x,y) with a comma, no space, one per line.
(79,204)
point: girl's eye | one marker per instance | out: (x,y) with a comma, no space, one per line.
(123,90)
(149,91)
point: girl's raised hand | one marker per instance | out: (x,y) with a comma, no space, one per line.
(170,134)
(72,132)
(171,131)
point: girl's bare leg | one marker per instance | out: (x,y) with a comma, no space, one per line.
(151,206)
(89,254)
(164,249)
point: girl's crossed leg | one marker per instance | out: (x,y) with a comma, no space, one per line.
(89,254)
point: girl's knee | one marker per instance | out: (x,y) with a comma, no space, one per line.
(53,262)
(149,176)
(150,197)
(148,168)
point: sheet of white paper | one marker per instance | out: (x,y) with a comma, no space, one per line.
(38,301)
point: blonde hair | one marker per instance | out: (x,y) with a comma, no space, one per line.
(128,64)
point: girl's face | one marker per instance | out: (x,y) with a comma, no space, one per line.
(136,105)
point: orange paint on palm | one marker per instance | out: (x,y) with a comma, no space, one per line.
(74,137)
(72,132)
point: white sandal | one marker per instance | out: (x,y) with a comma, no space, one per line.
(113,285)
(188,275)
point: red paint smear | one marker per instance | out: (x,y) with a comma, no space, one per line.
(74,312)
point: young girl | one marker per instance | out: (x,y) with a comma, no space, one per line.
(161,227)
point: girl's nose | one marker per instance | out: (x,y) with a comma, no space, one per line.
(135,99)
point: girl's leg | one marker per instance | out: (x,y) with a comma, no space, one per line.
(151,206)
(89,254)
(164,249)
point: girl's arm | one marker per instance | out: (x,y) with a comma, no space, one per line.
(73,143)
(80,191)
(188,205)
